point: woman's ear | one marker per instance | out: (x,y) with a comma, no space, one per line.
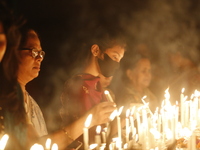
(95,50)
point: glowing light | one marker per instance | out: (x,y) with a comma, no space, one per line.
(92,146)
(88,121)
(113,115)
(3,141)
(98,129)
(120,111)
(37,147)
(48,144)
(54,146)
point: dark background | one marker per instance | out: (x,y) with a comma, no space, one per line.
(156,25)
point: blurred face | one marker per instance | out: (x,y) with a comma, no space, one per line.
(141,74)
(29,66)
(2,41)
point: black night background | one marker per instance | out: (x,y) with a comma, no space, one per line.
(158,24)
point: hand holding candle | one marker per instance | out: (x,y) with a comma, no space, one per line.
(108,96)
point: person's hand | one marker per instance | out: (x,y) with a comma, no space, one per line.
(101,112)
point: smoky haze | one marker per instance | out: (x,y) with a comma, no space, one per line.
(155,26)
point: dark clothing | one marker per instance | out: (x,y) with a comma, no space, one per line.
(128,95)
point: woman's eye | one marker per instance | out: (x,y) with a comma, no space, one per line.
(115,57)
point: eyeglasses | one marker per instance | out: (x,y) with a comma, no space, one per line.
(34,52)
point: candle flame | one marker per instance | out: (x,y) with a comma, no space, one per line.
(120,110)
(125,145)
(92,146)
(183,90)
(3,141)
(136,138)
(54,146)
(113,115)
(167,95)
(127,113)
(48,143)
(106,92)
(132,110)
(98,129)
(37,147)
(88,121)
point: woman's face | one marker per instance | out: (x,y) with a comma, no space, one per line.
(116,53)
(2,41)
(141,74)
(29,66)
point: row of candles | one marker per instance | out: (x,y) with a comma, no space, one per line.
(154,131)
(5,137)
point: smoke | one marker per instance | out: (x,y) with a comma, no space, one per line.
(162,26)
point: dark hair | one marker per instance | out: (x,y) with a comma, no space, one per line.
(11,98)
(129,62)
(25,34)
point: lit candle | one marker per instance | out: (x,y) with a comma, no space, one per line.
(97,137)
(48,144)
(119,128)
(182,110)
(108,96)
(85,131)
(139,127)
(132,121)
(93,146)
(127,125)
(103,136)
(54,147)
(3,141)
(37,147)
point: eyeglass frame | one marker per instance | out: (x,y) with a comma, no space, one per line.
(39,53)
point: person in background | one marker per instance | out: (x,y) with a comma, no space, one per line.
(83,91)
(136,79)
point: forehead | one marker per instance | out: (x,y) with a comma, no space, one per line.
(32,40)
(116,49)
(144,62)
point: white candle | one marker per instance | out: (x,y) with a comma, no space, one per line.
(119,128)
(127,125)
(182,110)
(139,126)
(98,137)
(3,141)
(103,136)
(108,96)
(48,144)
(85,131)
